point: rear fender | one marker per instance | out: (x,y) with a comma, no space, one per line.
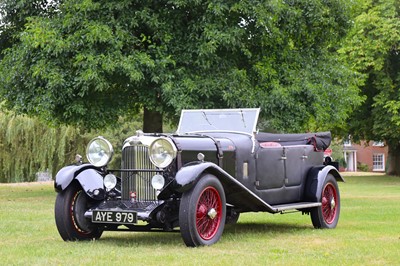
(315,181)
(88,177)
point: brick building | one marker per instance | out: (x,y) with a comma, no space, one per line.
(373,154)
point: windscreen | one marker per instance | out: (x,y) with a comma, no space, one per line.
(236,120)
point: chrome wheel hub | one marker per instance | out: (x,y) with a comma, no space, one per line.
(212,213)
(333,203)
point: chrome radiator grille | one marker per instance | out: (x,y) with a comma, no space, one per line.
(137,185)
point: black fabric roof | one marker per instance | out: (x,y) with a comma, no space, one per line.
(320,140)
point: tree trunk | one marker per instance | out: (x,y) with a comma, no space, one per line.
(152,121)
(393,159)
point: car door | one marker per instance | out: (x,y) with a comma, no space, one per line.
(295,162)
(270,168)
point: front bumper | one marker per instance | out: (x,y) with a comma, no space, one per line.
(142,209)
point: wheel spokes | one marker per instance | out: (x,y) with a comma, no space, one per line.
(208,215)
(329,203)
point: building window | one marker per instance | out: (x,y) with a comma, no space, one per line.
(347,143)
(378,162)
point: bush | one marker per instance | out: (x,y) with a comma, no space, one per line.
(362,167)
(342,162)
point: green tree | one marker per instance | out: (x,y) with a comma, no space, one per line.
(373,49)
(89,61)
(14,15)
(29,146)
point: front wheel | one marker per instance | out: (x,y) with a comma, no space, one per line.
(71,205)
(327,215)
(202,212)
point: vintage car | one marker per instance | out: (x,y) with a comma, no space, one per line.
(216,166)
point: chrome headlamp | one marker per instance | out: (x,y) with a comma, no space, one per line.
(99,151)
(110,181)
(157,182)
(162,152)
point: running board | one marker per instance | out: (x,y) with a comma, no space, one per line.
(295,206)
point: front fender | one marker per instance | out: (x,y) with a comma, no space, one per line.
(184,179)
(315,181)
(87,175)
(236,193)
(188,176)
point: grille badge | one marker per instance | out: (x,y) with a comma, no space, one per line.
(132,196)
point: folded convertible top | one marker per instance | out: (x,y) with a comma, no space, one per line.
(320,140)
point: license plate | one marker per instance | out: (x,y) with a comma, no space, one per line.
(114,217)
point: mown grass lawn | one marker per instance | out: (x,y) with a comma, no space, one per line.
(368,233)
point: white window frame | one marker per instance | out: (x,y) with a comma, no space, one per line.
(347,143)
(378,159)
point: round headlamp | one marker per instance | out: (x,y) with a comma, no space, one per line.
(162,152)
(99,151)
(158,182)
(110,181)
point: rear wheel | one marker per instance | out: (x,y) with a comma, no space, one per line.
(71,205)
(327,215)
(202,212)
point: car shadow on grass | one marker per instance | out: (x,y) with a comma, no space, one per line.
(231,231)
(268,228)
(131,239)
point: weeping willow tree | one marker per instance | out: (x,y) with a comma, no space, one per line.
(29,146)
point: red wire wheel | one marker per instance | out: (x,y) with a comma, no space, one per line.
(329,203)
(208,214)
(202,212)
(327,215)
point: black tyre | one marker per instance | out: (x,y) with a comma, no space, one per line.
(71,205)
(202,212)
(327,215)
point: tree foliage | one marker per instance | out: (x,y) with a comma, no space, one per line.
(279,57)
(87,61)
(373,49)
(14,15)
(29,146)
